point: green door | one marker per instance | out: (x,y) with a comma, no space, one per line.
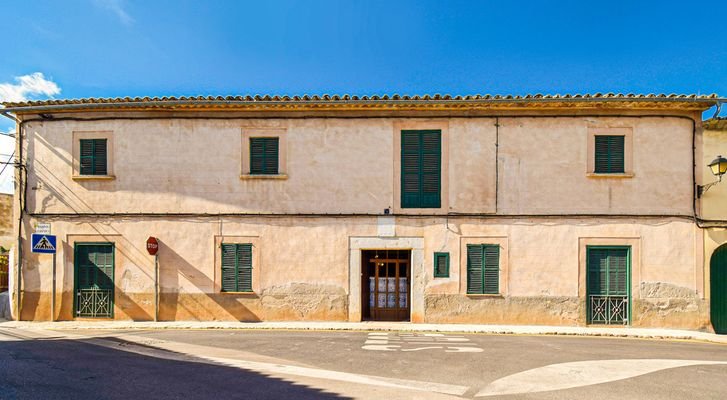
(718,277)
(94,279)
(608,284)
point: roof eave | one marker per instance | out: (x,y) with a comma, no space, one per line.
(686,104)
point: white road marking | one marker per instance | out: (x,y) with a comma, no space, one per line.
(582,373)
(158,349)
(7,337)
(407,342)
(342,376)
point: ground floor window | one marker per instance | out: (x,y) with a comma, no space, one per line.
(608,282)
(483,269)
(236,267)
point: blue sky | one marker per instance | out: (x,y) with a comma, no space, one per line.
(100,48)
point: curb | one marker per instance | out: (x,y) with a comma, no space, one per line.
(638,333)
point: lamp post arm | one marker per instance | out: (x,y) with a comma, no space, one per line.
(703,188)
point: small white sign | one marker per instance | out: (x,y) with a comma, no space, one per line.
(42,228)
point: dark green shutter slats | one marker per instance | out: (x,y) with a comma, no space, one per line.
(86,157)
(229,267)
(474,269)
(236,267)
(264,156)
(244,268)
(421,169)
(609,157)
(410,192)
(441,265)
(608,271)
(492,269)
(93,157)
(483,269)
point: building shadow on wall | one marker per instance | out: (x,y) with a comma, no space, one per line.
(70,369)
(205,304)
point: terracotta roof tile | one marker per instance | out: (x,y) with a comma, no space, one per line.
(201,100)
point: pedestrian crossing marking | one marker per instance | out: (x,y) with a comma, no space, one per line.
(406,342)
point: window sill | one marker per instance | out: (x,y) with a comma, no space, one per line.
(94,177)
(496,296)
(271,177)
(620,175)
(240,293)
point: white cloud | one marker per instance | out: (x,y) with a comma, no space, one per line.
(28,86)
(117,7)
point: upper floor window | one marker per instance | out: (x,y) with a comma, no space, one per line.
(264,155)
(421,168)
(93,157)
(609,154)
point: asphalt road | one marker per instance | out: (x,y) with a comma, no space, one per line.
(223,364)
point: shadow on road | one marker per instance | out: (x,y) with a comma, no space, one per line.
(70,369)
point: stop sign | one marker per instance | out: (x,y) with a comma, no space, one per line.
(152,245)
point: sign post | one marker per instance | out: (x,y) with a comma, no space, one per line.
(46,244)
(152,247)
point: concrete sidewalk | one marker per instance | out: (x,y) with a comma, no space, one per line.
(646,333)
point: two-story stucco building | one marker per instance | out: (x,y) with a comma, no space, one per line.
(562,210)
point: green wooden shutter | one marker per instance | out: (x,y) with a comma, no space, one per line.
(421,169)
(93,157)
(86,157)
(410,186)
(264,156)
(244,268)
(236,267)
(617,272)
(492,269)
(597,271)
(229,267)
(609,156)
(474,269)
(483,269)
(608,271)
(441,265)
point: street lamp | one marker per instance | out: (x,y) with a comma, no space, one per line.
(719,168)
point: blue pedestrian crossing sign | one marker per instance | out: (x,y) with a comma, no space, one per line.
(41,243)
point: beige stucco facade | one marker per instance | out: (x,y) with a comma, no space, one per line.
(521,180)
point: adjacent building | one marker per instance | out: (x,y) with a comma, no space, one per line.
(713,218)
(558,210)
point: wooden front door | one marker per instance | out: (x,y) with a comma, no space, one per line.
(386,285)
(718,292)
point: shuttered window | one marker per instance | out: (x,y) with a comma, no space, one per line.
(421,169)
(483,269)
(264,155)
(609,157)
(441,265)
(236,267)
(608,270)
(93,157)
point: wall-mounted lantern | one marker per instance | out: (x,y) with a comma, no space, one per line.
(719,168)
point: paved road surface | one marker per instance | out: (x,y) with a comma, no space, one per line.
(188,364)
